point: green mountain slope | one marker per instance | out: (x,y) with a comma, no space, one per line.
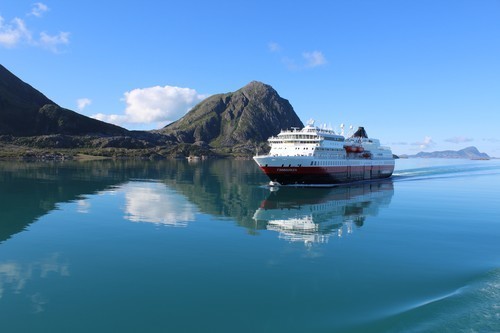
(24,111)
(245,117)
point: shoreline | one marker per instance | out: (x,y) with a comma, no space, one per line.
(10,152)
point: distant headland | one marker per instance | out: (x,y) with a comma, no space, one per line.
(471,153)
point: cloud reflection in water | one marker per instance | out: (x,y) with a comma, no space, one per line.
(14,276)
(155,203)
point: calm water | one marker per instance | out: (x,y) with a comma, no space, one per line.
(178,247)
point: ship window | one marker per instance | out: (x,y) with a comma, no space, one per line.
(312,163)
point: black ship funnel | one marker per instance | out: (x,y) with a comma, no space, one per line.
(360,133)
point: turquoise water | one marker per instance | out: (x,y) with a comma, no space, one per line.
(206,247)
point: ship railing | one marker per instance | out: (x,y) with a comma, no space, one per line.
(294,140)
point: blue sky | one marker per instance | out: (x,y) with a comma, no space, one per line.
(419,75)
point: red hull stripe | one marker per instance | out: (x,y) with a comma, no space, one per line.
(326,174)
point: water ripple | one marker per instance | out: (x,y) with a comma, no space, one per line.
(449,171)
(470,309)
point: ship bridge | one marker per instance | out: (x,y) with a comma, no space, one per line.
(305,142)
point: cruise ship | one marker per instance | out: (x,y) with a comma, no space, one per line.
(319,156)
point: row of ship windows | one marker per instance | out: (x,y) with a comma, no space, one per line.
(297,148)
(293,142)
(326,163)
(295,137)
(307,148)
(334,139)
(331,149)
(309,137)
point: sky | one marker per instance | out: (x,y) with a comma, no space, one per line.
(420,75)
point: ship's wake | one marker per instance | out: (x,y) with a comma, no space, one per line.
(471,308)
(448,171)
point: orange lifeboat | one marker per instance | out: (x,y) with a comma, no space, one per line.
(353,149)
(349,149)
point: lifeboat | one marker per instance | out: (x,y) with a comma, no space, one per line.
(353,149)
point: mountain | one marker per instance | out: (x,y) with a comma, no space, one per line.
(466,153)
(235,123)
(24,111)
(245,117)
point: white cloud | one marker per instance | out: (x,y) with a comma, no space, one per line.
(459,139)
(309,59)
(82,103)
(38,9)
(274,47)
(14,33)
(111,118)
(52,42)
(314,59)
(426,143)
(160,105)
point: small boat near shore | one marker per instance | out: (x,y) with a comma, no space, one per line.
(314,156)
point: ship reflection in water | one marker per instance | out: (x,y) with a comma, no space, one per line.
(313,215)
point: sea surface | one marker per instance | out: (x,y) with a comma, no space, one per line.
(173,246)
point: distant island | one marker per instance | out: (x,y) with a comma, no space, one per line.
(471,153)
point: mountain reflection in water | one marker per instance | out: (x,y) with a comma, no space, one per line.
(173,192)
(312,215)
(167,192)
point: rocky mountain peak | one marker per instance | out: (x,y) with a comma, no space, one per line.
(247,116)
